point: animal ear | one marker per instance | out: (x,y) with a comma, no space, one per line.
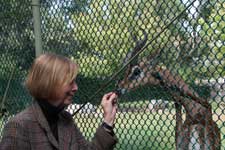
(127,57)
(139,44)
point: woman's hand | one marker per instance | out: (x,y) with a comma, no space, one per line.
(109,104)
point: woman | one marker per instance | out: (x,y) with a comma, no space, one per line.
(45,125)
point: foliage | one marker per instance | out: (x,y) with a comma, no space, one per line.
(17,98)
(213,64)
(16,51)
(98,35)
(107,27)
(16,32)
(57,32)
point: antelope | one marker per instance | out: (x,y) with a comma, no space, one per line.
(198,131)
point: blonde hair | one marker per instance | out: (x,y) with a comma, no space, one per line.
(48,74)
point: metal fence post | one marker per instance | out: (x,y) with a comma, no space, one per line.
(37,26)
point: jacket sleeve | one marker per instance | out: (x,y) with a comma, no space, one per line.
(102,140)
(14,137)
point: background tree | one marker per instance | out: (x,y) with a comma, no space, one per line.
(16,52)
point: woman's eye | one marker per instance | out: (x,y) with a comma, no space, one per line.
(73,81)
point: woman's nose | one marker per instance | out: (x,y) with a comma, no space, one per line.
(75,87)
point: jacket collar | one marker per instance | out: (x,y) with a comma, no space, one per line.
(39,116)
(64,127)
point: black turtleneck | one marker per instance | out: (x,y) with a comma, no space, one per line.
(52,115)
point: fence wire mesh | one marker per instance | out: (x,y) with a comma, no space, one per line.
(173,83)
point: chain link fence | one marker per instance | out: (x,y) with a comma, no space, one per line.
(165,59)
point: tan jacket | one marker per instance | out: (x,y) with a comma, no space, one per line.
(29,130)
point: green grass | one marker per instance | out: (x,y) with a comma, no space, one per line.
(136,130)
(140,130)
(145,131)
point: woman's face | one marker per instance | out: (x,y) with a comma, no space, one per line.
(65,95)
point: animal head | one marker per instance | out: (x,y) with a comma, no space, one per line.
(138,72)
